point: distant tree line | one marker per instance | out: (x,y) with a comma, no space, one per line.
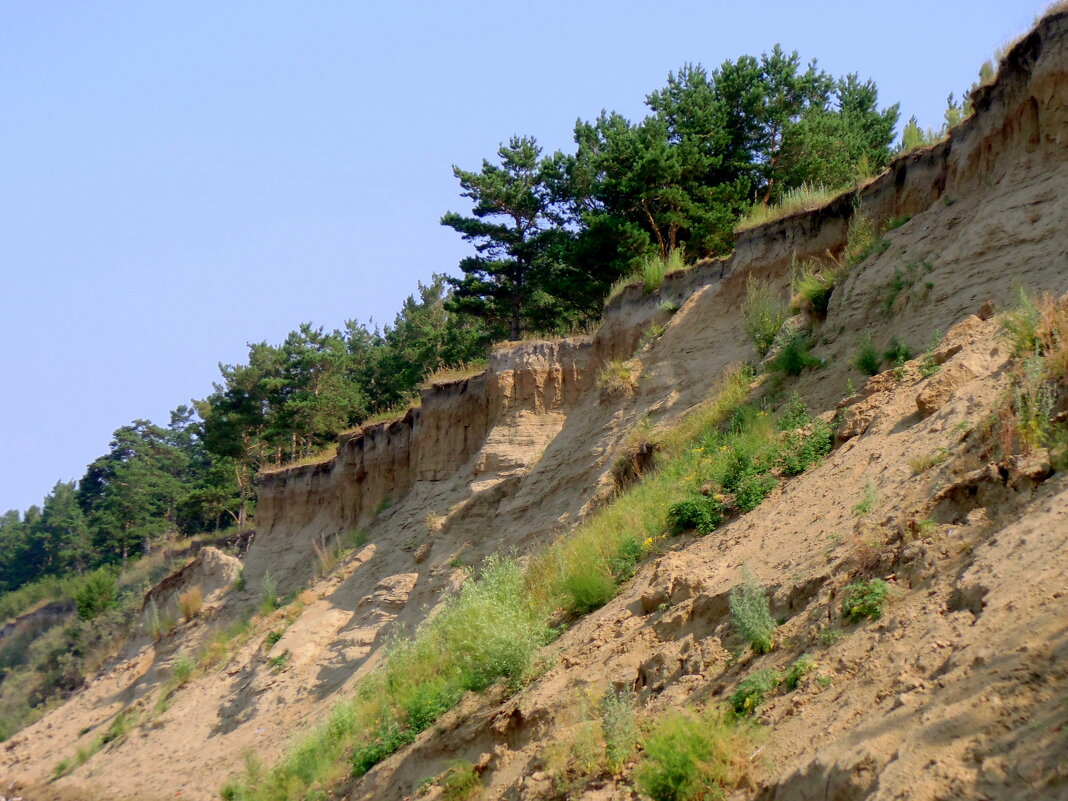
(550,234)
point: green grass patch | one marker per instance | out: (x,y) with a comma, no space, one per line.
(690,756)
(865,600)
(802,198)
(751,614)
(753,691)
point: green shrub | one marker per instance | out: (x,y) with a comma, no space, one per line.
(794,356)
(702,514)
(752,691)
(795,415)
(1021,325)
(763,313)
(627,557)
(751,614)
(96,594)
(865,599)
(800,450)
(268,594)
(812,286)
(801,667)
(461,780)
(897,352)
(690,757)
(619,727)
(867,357)
(868,499)
(752,490)
(588,590)
(390,737)
(862,239)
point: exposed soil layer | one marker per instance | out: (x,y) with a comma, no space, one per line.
(957,692)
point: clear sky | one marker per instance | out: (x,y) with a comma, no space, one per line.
(179,179)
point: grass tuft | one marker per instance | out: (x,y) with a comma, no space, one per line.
(690,756)
(751,614)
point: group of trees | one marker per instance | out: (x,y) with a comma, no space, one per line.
(551,233)
(196,474)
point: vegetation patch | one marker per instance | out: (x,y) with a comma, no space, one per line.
(865,600)
(690,756)
(806,197)
(753,691)
(751,614)
(763,313)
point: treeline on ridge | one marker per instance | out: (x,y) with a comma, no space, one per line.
(550,233)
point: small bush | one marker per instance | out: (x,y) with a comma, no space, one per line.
(1021,326)
(268,594)
(690,757)
(867,502)
(794,356)
(460,782)
(190,602)
(619,727)
(752,490)
(797,672)
(867,357)
(862,239)
(801,450)
(865,599)
(669,307)
(751,614)
(626,559)
(795,415)
(812,286)
(897,352)
(588,590)
(763,312)
(753,691)
(700,514)
(616,379)
(182,670)
(97,594)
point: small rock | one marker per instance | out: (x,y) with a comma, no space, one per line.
(422,552)
(986,311)
(941,387)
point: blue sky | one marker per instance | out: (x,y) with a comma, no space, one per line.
(180,179)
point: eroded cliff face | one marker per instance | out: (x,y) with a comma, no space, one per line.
(509,459)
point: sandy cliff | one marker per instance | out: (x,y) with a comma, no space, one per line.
(958,692)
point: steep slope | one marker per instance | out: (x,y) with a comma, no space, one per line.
(964,672)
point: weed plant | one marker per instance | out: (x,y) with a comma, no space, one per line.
(619,727)
(794,357)
(865,599)
(897,352)
(796,673)
(763,313)
(690,756)
(751,614)
(268,594)
(700,514)
(868,499)
(190,602)
(867,358)
(460,781)
(753,691)
(812,285)
(803,198)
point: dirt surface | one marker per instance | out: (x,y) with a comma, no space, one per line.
(959,691)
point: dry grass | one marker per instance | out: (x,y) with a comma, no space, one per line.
(190,602)
(447,375)
(617,379)
(803,198)
(319,457)
(391,415)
